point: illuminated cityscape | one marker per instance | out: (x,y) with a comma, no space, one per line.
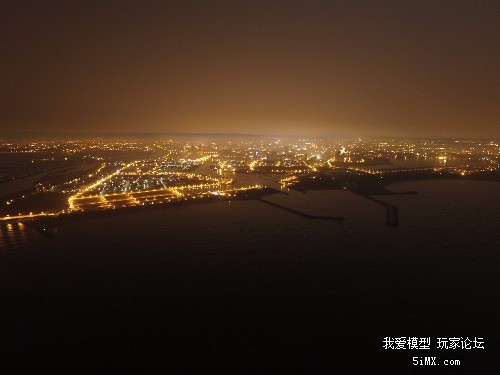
(249,187)
(105,174)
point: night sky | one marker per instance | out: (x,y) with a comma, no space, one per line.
(406,68)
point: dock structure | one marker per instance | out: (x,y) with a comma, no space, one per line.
(303,214)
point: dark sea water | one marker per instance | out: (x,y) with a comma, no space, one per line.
(245,287)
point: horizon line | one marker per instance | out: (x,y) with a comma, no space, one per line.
(105,134)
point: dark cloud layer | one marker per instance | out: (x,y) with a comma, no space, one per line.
(320,67)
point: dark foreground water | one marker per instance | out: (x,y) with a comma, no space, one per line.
(244,287)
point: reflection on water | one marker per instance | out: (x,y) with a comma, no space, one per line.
(16,234)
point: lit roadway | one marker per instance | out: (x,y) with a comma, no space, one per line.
(30,216)
(350,168)
(95,184)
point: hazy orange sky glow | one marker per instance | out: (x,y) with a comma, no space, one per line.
(422,68)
